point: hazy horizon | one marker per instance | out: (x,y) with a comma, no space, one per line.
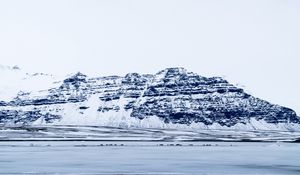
(254,43)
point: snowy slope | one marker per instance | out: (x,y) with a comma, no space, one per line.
(14,80)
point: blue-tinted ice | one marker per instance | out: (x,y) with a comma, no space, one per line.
(82,157)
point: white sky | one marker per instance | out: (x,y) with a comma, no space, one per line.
(255,43)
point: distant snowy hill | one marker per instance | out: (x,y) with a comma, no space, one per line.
(14,80)
(171,98)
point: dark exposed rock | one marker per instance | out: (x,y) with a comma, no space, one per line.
(84,107)
(3,103)
(25,117)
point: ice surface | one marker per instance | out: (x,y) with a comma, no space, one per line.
(209,158)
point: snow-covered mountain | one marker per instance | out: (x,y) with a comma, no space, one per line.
(170,98)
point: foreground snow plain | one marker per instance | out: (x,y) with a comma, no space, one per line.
(69,149)
(128,157)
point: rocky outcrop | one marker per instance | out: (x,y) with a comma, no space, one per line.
(174,95)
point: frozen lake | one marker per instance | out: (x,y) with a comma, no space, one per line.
(67,157)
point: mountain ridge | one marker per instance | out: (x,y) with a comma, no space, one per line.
(172,97)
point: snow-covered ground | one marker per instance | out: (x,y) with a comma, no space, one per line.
(104,133)
(209,158)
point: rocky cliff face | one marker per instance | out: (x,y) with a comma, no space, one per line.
(173,96)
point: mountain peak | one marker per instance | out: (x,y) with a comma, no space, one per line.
(172,70)
(76,78)
(11,68)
